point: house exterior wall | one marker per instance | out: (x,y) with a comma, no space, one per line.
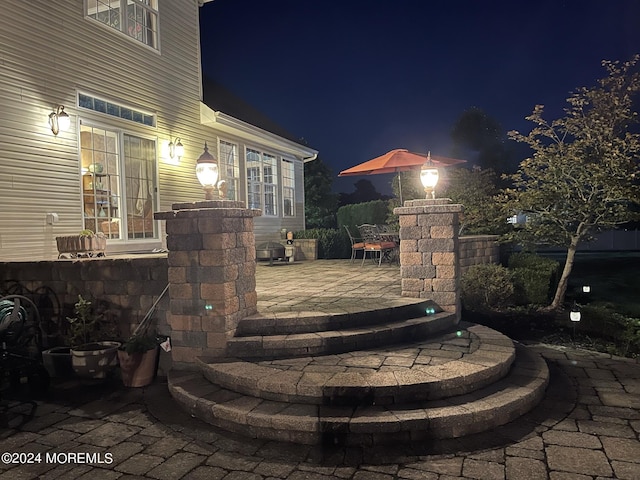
(51,53)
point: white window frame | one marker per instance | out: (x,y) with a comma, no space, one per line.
(229,167)
(288,186)
(122,182)
(123,24)
(262,183)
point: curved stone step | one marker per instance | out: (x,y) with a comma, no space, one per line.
(451,364)
(481,410)
(285,323)
(338,341)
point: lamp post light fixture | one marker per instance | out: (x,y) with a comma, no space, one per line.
(176,149)
(429,177)
(59,121)
(207,172)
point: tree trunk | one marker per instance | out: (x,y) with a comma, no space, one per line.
(564,278)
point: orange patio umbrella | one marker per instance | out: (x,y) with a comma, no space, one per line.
(399,160)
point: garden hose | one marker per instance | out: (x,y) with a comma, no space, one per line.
(14,317)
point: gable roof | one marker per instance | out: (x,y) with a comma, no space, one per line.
(227,109)
(219,98)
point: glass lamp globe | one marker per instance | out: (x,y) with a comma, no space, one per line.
(429,177)
(207,172)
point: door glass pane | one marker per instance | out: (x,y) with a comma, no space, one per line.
(100,180)
(140,186)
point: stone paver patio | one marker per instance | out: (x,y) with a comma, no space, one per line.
(587,428)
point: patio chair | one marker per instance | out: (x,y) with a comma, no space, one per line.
(373,243)
(357,245)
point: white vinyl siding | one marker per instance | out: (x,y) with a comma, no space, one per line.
(51,56)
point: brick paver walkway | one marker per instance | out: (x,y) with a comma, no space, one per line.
(105,431)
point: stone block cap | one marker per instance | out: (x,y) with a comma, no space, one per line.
(428,205)
(208,208)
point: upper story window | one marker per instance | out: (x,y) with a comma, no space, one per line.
(137,19)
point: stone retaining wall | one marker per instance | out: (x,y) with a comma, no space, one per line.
(127,286)
(477,249)
(306,248)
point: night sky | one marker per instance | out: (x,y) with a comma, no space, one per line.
(357,78)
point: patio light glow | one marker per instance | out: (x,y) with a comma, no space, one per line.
(429,177)
(207,172)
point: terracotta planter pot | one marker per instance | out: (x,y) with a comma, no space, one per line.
(138,369)
(95,360)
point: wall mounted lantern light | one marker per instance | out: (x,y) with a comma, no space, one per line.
(59,121)
(207,172)
(176,149)
(429,177)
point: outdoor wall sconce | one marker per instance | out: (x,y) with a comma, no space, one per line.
(207,172)
(59,121)
(176,149)
(429,177)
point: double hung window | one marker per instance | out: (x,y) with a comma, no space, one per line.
(262,182)
(137,19)
(229,168)
(288,188)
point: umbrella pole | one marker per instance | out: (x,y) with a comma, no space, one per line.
(400,186)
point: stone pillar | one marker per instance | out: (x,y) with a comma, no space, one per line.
(429,260)
(212,283)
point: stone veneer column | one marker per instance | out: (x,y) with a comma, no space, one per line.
(429,263)
(212,283)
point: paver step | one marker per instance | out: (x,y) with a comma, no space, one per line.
(338,341)
(285,323)
(481,410)
(455,363)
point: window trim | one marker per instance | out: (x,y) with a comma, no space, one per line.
(263,193)
(124,240)
(237,167)
(292,189)
(124,22)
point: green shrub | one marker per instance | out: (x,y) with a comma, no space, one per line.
(486,287)
(332,243)
(374,212)
(534,277)
(604,322)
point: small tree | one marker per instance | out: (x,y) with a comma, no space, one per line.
(320,203)
(476,190)
(583,176)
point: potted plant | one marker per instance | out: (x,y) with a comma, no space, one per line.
(86,243)
(138,355)
(138,359)
(92,354)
